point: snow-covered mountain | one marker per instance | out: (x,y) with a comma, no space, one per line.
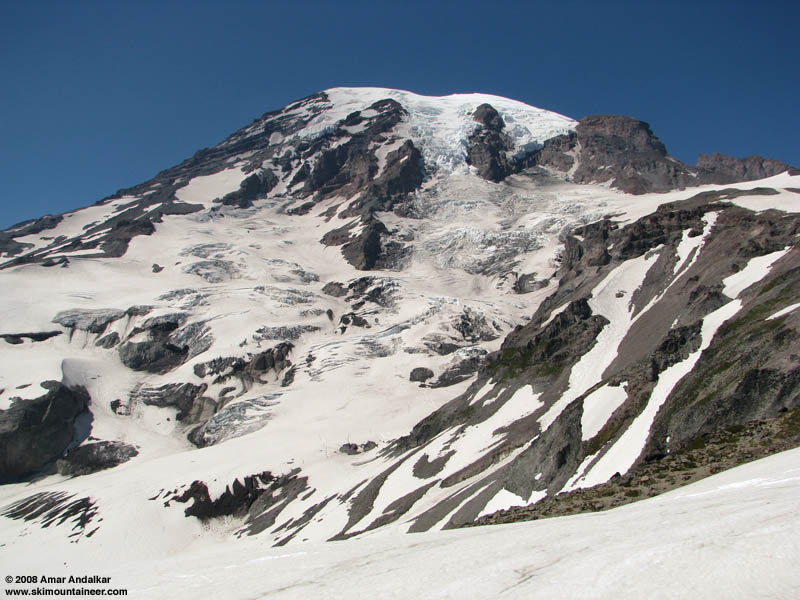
(373,310)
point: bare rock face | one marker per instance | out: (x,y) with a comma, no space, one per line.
(169,344)
(364,251)
(488,146)
(335,289)
(370,248)
(627,153)
(90,458)
(401,176)
(256,186)
(91,320)
(35,432)
(34,336)
(353,449)
(619,149)
(351,169)
(247,369)
(420,374)
(235,500)
(721,169)
(466,363)
(188,398)
(108,341)
(528,282)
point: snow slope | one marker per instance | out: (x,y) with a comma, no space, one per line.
(733,535)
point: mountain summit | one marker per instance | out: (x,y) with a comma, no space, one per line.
(375,309)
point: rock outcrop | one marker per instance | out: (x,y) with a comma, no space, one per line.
(625,152)
(488,147)
(33,433)
(93,457)
(168,344)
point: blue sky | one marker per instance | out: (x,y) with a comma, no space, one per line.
(97,96)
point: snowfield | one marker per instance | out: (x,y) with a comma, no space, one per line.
(733,535)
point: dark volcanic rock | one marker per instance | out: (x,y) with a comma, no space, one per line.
(711,453)
(488,146)
(35,432)
(351,170)
(440,345)
(167,347)
(363,251)
(123,232)
(402,175)
(256,186)
(353,319)
(108,341)
(349,449)
(93,457)
(619,149)
(527,283)
(48,508)
(370,248)
(353,449)
(625,152)
(550,459)
(93,321)
(487,116)
(154,199)
(350,167)
(420,374)
(748,372)
(721,169)
(473,327)
(234,501)
(38,336)
(335,289)
(465,367)
(11,247)
(153,356)
(249,369)
(192,405)
(544,350)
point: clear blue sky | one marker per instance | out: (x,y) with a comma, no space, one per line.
(96,96)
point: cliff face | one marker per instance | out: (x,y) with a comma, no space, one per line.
(626,153)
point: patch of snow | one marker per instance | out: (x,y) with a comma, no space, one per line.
(203,189)
(757,268)
(482,392)
(785,200)
(554,314)
(784,311)
(503,500)
(689,247)
(598,408)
